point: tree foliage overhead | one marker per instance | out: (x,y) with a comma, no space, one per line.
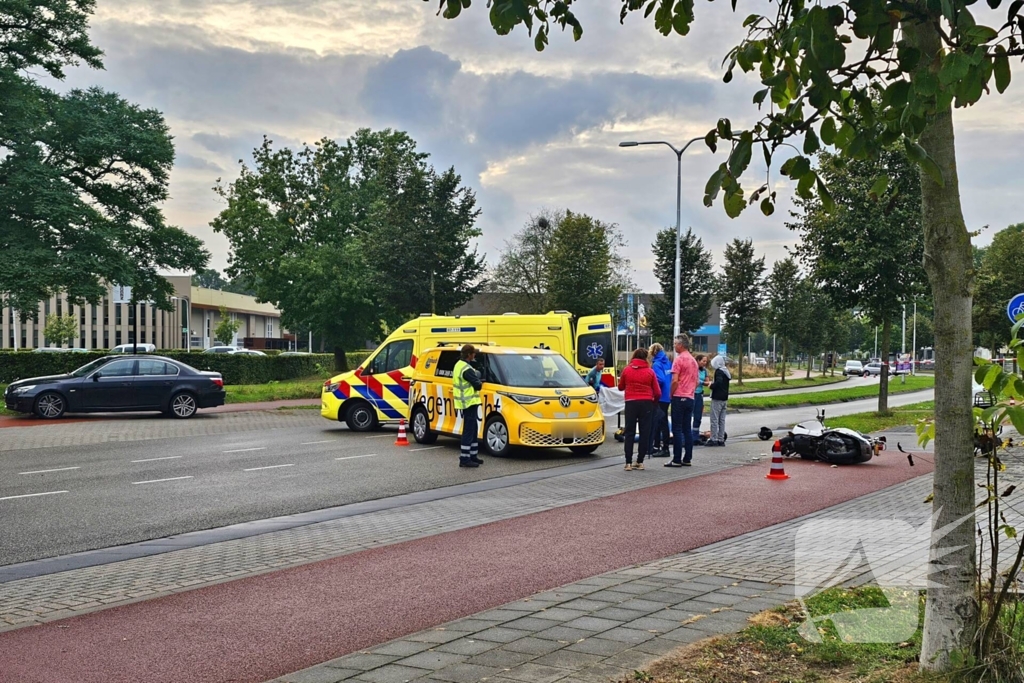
(345,239)
(697,286)
(562,260)
(82,174)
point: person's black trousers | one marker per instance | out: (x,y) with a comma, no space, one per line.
(638,414)
(469,434)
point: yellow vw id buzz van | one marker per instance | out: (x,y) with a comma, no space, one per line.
(530,397)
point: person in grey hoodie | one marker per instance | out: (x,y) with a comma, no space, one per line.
(719,399)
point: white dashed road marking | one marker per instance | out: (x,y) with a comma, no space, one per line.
(377,436)
(268,467)
(428,448)
(245,450)
(157,481)
(32,495)
(167,457)
(353,457)
(310,443)
(59,469)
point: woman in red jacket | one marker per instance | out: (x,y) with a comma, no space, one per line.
(642,391)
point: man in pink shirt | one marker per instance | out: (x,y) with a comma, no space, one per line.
(685,375)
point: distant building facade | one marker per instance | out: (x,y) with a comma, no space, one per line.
(108,324)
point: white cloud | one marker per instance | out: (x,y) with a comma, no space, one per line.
(526,130)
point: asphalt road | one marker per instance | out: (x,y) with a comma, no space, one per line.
(72,497)
(60,500)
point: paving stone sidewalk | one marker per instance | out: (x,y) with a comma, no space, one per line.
(56,596)
(606,627)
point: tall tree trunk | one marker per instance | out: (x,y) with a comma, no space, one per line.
(810,362)
(340,359)
(883,377)
(951,609)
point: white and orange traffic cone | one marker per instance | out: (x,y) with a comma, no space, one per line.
(777,471)
(401,440)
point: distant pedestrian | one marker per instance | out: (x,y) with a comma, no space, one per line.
(698,393)
(719,398)
(594,376)
(642,390)
(684,382)
(466,385)
(662,366)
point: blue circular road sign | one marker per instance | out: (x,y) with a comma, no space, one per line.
(1015,307)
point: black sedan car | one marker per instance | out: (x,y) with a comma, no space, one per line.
(119,384)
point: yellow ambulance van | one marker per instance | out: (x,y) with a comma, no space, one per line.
(530,397)
(378,390)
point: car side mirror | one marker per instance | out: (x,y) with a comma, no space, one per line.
(96,377)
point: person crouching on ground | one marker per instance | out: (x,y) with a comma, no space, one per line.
(642,390)
(466,392)
(662,367)
(719,398)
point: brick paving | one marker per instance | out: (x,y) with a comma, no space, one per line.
(57,596)
(608,626)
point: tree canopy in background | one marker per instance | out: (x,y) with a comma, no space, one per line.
(740,294)
(82,174)
(867,251)
(697,286)
(1000,278)
(349,239)
(562,260)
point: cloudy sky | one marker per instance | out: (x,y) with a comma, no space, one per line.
(527,131)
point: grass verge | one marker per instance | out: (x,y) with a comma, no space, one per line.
(273,391)
(772,649)
(875,422)
(831,396)
(794,383)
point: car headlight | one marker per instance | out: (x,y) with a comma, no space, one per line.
(522,399)
(331,387)
(23,389)
(591,397)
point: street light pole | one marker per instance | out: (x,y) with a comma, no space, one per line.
(679,206)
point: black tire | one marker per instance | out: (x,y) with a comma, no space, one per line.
(361,417)
(420,425)
(50,406)
(496,436)
(583,450)
(183,405)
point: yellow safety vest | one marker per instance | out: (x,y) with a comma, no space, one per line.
(464,393)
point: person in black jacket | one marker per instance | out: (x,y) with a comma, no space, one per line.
(719,399)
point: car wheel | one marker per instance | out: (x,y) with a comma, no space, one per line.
(496,436)
(183,405)
(50,406)
(361,417)
(583,450)
(421,430)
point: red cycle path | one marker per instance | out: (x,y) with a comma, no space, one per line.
(259,628)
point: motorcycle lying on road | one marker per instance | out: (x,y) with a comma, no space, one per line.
(812,440)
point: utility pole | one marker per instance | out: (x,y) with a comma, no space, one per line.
(913,361)
(876,341)
(311,341)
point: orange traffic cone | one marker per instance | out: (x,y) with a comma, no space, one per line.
(777,471)
(401,440)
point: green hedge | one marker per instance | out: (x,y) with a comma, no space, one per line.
(235,369)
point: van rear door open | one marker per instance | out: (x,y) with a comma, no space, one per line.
(593,341)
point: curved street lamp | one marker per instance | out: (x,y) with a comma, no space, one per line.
(679,200)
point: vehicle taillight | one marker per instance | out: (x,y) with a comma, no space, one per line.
(218,381)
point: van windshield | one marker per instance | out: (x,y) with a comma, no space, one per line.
(534,371)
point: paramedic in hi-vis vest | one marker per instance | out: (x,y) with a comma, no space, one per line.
(466,390)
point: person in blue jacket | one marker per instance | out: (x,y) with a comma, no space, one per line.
(662,366)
